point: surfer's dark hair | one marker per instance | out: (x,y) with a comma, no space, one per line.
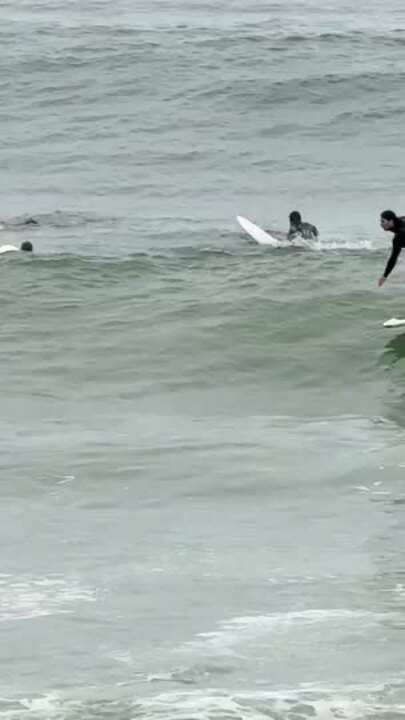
(295,218)
(27,246)
(389,215)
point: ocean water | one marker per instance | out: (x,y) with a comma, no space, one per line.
(202,441)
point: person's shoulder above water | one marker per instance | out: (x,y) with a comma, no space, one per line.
(26,246)
(309,231)
(298,227)
(401,227)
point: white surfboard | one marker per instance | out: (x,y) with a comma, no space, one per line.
(7,248)
(394,322)
(256,232)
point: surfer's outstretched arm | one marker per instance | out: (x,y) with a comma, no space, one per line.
(392,260)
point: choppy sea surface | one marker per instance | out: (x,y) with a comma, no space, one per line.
(202,440)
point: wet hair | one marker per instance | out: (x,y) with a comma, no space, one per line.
(389,215)
(26,246)
(295,218)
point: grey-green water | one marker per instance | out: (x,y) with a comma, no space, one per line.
(202,442)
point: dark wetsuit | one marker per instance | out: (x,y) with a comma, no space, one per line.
(306,230)
(398,242)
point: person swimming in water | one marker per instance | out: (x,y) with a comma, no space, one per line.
(17,223)
(26,246)
(390,222)
(298,227)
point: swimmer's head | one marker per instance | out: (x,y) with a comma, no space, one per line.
(388,220)
(26,246)
(295,219)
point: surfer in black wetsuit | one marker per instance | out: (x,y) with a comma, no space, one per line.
(390,222)
(297,227)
